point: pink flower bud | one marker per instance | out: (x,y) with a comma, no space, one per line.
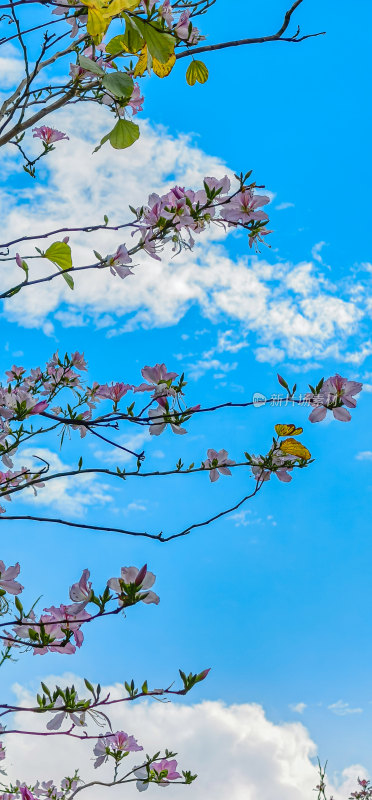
(141,576)
(202,675)
(282,381)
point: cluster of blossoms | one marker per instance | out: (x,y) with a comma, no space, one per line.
(58,630)
(182,212)
(29,394)
(174,218)
(44,789)
(160,771)
(115,746)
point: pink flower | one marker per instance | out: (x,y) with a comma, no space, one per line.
(117,260)
(218,462)
(160,418)
(243,207)
(335,393)
(48,135)
(158,378)
(55,723)
(138,578)
(167,767)
(119,743)
(136,100)
(14,372)
(7,581)
(39,407)
(78,361)
(114,392)
(81,593)
(26,794)
(2,752)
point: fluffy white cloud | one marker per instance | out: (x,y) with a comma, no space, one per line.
(69,496)
(236,750)
(291,309)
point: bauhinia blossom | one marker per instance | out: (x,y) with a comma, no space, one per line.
(160,418)
(335,393)
(159,772)
(218,463)
(134,584)
(280,462)
(116,745)
(59,717)
(81,592)
(7,582)
(48,135)
(118,260)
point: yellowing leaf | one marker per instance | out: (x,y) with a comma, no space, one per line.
(291,447)
(141,65)
(288,430)
(196,71)
(117,6)
(60,254)
(163,70)
(96,25)
(160,44)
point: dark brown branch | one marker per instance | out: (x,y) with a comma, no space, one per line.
(158,537)
(275,37)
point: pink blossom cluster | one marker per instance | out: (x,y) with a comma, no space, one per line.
(337,395)
(184,210)
(58,630)
(116,745)
(276,463)
(42,789)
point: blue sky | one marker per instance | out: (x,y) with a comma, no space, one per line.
(276,600)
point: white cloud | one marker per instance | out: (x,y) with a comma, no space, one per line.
(284,206)
(236,750)
(199,368)
(116,456)
(70,496)
(299,708)
(288,308)
(11,67)
(364,455)
(342,709)
(315,252)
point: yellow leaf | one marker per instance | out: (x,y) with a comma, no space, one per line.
(117,6)
(96,25)
(288,430)
(196,71)
(141,65)
(291,447)
(162,70)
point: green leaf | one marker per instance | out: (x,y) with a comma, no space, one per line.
(119,84)
(91,66)
(160,44)
(124,134)
(69,280)
(131,41)
(196,71)
(60,254)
